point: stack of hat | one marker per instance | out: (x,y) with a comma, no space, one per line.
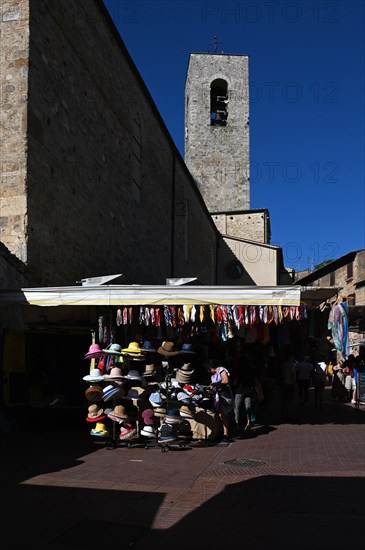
(168,349)
(133,375)
(187,411)
(113,349)
(115,375)
(148,431)
(166,433)
(95,413)
(112,391)
(172,416)
(147,417)
(148,347)
(95,375)
(134,352)
(184,430)
(127,431)
(118,414)
(94,352)
(100,430)
(160,412)
(135,395)
(155,399)
(149,371)
(188,349)
(94,393)
(184,374)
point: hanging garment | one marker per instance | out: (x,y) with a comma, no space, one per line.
(158,316)
(118,319)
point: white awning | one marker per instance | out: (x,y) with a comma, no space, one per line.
(129,295)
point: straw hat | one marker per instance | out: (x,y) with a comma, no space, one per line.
(95,413)
(119,413)
(168,349)
(94,393)
(184,373)
(149,370)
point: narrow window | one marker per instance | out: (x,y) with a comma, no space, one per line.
(350,270)
(218,102)
(332,278)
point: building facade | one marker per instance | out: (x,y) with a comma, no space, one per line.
(348,274)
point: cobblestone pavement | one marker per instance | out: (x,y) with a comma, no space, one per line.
(295,485)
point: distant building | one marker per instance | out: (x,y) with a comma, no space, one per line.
(347,273)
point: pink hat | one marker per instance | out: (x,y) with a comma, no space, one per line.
(95,351)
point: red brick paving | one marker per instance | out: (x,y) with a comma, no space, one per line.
(63,491)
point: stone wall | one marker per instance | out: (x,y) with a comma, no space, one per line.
(218,157)
(14,62)
(105,182)
(252,225)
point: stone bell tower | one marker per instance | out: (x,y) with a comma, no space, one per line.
(217,129)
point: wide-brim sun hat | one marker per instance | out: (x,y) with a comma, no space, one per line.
(119,413)
(113,349)
(114,374)
(148,346)
(188,349)
(94,352)
(168,349)
(133,349)
(95,375)
(133,375)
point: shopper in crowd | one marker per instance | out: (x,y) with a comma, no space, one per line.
(244,381)
(304,375)
(338,390)
(350,381)
(319,382)
(287,384)
(359,367)
(220,382)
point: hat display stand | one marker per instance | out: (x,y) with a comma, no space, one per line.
(176,444)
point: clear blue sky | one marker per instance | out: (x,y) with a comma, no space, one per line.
(307,110)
